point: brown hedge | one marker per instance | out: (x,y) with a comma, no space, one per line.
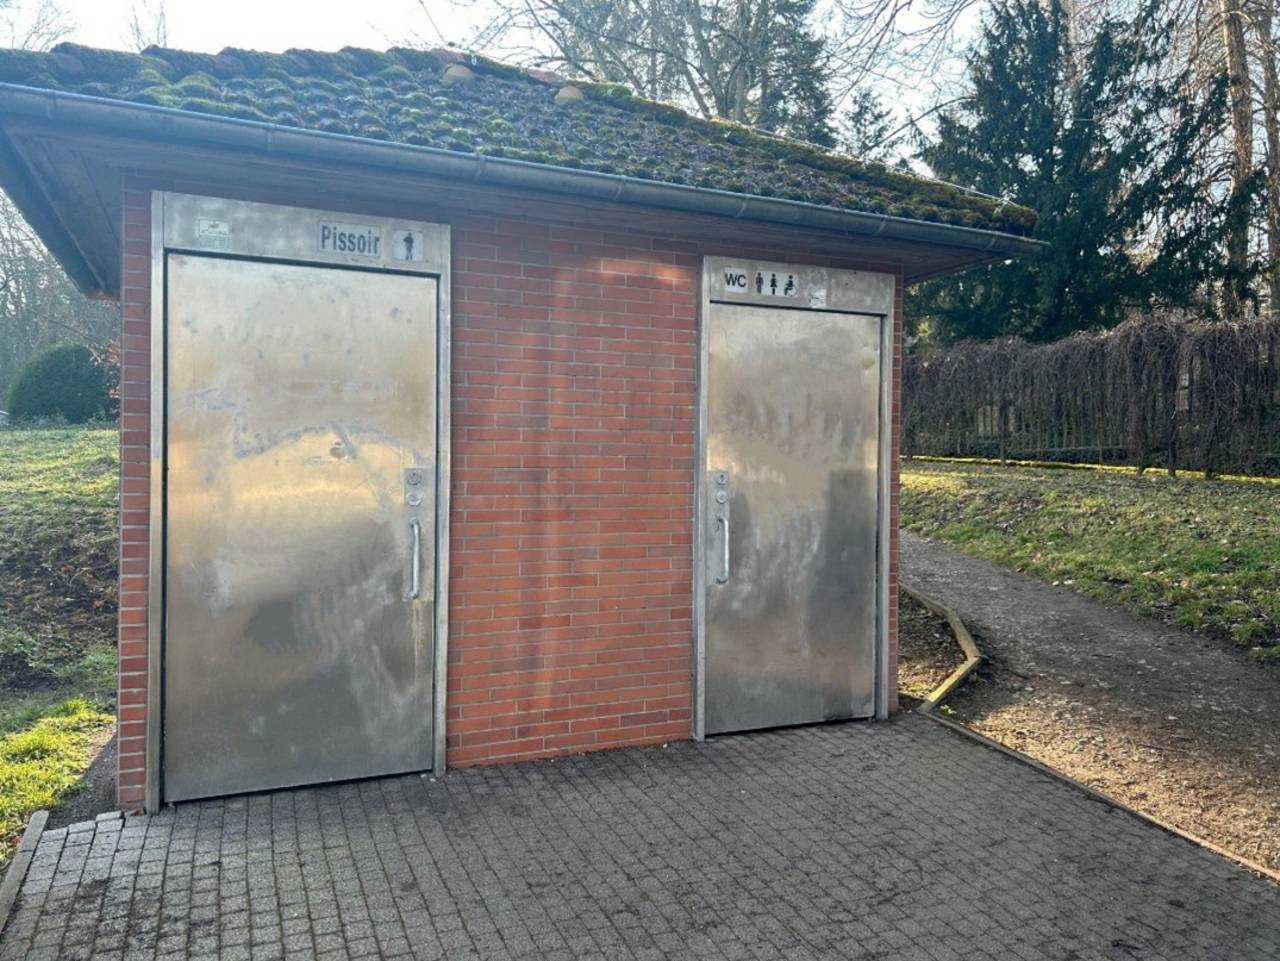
(1154,391)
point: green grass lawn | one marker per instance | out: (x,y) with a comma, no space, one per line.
(1203,555)
(42,761)
(57,612)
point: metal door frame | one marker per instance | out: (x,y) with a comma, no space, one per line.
(216,236)
(842,291)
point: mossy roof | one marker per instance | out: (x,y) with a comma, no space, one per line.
(402,96)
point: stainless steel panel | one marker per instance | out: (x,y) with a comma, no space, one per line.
(798,286)
(301,446)
(793,434)
(155,519)
(239,227)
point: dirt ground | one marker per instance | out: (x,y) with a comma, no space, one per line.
(1181,727)
(96,792)
(927,651)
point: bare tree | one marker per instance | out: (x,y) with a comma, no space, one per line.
(33,26)
(1264,30)
(149,24)
(760,62)
(907,41)
(1233,40)
(909,44)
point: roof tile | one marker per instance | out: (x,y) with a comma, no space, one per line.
(401,95)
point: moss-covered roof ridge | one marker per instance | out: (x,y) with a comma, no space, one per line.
(409,96)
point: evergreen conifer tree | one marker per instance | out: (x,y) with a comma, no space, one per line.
(1108,149)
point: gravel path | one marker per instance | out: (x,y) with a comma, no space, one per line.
(1180,726)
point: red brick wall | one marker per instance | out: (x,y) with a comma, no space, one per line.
(574,440)
(135,492)
(575,414)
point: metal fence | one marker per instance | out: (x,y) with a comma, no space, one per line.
(1153,392)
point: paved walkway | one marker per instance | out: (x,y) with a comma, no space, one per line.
(900,840)
(1184,727)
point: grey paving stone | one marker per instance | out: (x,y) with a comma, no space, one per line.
(893,841)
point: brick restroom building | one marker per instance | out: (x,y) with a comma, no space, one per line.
(471,415)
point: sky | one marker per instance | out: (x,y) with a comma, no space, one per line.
(210,25)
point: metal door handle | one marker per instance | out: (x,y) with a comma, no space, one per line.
(415,580)
(724,566)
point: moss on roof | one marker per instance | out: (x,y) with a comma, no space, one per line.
(399,95)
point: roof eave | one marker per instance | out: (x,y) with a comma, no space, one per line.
(31,201)
(166,124)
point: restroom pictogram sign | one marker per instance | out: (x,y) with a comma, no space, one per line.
(407,245)
(763,282)
(777,283)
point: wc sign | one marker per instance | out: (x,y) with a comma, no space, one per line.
(761,283)
(736,280)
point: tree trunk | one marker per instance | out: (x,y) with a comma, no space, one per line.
(1241,152)
(1271,122)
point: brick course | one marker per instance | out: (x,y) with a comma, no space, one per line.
(574,442)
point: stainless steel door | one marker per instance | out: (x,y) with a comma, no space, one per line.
(300,449)
(791,520)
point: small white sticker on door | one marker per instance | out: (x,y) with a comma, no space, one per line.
(215,233)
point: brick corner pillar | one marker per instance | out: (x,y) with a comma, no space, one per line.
(135,495)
